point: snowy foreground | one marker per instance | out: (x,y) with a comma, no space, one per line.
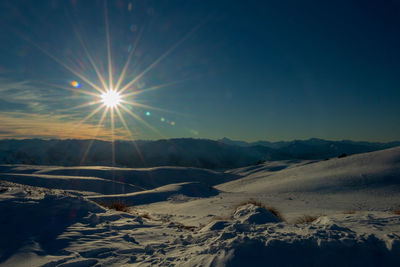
(338,212)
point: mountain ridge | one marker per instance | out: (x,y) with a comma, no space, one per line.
(189,152)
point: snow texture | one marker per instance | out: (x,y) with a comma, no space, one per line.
(353,203)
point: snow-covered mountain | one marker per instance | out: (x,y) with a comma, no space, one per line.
(315,148)
(173,152)
(200,153)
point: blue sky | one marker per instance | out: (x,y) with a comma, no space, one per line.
(250,70)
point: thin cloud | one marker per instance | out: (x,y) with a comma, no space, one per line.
(35,110)
(18,125)
(23,96)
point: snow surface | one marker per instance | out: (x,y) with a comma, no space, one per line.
(193,217)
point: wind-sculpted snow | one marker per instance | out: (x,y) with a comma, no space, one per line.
(164,193)
(36,217)
(90,184)
(148,178)
(109,180)
(338,212)
(65,230)
(378,170)
(252,214)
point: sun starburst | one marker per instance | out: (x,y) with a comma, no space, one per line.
(113,98)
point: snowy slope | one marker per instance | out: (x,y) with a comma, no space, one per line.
(66,230)
(203,223)
(77,183)
(369,181)
(377,170)
(146,178)
(174,192)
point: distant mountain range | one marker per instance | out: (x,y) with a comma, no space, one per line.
(203,153)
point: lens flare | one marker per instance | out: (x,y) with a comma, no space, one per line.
(111,98)
(76,84)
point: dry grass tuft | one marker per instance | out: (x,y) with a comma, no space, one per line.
(306,219)
(115,205)
(251,201)
(273,210)
(276,213)
(120,205)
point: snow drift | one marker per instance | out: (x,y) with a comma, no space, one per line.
(164,193)
(354,200)
(66,230)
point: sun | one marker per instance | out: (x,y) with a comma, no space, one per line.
(111,98)
(115,96)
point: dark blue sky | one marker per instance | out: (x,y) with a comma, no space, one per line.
(250,70)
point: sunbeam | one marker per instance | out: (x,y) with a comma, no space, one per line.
(103,116)
(91,60)
(153,88)
(160,58)
(59,61)
(84,105)
(110,76)
(131,53)
(109,96)
(149,107)
(91,114)
(131,135)
(142,121)
(75,90)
